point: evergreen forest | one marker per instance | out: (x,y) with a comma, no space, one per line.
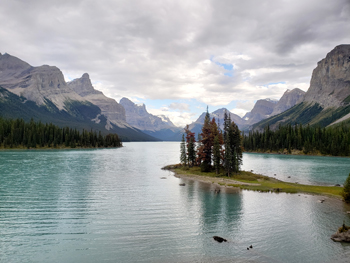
(215,150)
(16,133)
(333,141)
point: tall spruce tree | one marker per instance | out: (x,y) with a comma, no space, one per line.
(183,156)
(207,141)
(346,190)
(233,149)
(217,154)
(191,144)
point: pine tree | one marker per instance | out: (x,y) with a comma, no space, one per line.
(217,154)
(346,190)
(183,157)
(191,143)
(205,151)
(233,149)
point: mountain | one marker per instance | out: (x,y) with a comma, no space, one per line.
(41,93)
(288,100)
(330,82)
(219,118)
(157,126)
(37,84)
(328,97)
(196,126)
(262,109)
(114,112)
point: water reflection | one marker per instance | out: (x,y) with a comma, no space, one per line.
(112,205)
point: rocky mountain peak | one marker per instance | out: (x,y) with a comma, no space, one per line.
(83,86)
(114,112)
(330,81)
(138,117)
(288,100)
(11,66)
(262,109)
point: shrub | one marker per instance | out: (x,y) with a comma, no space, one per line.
(346,190)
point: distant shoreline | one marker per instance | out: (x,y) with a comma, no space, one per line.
(56,148)
(296,153)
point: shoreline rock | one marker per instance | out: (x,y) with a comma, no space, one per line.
(342,235)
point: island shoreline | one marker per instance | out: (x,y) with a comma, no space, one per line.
(274,185)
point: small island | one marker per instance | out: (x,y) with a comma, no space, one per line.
(217,157)
(250,181)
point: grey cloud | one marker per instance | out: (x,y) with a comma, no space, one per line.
(154,49)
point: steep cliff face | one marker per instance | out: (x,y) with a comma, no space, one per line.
(138,117)
(261,110)
(37,84)
(288,100)
(330,82)
(114,112)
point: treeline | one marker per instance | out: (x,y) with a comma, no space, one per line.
(313,140)
(215,149)
(19,134)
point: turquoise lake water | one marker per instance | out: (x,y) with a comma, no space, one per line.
(111,205)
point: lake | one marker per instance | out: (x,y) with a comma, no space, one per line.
(112,205)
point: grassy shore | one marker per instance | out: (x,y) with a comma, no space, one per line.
(256,182)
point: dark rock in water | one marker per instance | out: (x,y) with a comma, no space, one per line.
(247,248)
(337,185)
(217,191)
(183,184)
(251,246)
(342,235)
(219,239)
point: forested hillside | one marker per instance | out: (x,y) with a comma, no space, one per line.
(20,134)
(311,140)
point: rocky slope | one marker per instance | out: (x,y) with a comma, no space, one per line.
(114,112)
(42,93)
(157,126)
(328,97)
(37,84)
(262,109)
(330,82)
(288,100)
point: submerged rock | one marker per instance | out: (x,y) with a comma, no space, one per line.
(183,184)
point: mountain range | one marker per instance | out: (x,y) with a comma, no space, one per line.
(327,101)
(42,93)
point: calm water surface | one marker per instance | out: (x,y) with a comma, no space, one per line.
(112,206)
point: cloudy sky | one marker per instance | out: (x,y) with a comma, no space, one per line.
(177,57)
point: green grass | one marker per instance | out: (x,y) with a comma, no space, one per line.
(264,183)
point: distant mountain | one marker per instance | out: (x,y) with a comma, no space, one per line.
(42,93)
(328,97)
(262,109)
(157,126)
(196,126)
(289,99)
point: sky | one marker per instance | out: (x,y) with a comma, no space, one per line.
(178,57)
